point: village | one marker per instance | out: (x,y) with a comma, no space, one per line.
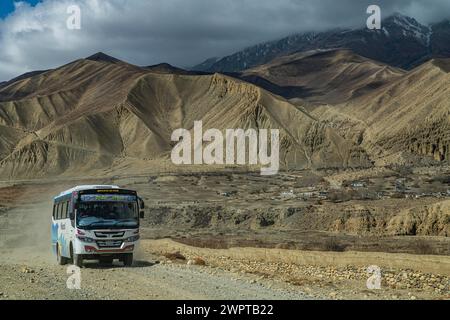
(360,190)
(370,189)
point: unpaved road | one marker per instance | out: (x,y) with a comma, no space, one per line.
(235,274)
(147,279)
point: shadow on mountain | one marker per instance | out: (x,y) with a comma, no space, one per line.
(288,92)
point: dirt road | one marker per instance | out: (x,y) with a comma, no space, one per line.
(228,274)
(147,279)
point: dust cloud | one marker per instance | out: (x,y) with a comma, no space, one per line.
(25,235)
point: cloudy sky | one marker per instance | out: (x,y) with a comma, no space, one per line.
(34,35)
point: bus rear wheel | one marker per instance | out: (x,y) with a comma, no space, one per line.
(127,260)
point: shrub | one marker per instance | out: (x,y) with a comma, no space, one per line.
(174,256)
(332,244)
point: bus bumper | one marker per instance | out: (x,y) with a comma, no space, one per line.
(87,249)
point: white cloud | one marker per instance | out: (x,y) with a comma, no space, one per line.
(181,32)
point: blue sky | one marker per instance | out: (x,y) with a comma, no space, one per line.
(7,6)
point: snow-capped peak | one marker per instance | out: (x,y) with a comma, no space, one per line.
(409,27)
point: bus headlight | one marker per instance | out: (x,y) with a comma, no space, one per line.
(85,239)
(132,239)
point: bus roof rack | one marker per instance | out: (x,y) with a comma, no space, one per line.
(88,187)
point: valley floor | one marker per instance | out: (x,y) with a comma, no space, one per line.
(284,237)
(227,275)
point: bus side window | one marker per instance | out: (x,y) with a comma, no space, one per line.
(66,210)
(69,208)
(62,210)
(54,212)
(58,212)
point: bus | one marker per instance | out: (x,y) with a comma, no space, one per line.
(96,222)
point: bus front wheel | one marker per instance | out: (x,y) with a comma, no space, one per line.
(77,260)
(61,260)
(127,260)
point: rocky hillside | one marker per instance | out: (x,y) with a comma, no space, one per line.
(411,116)
(94,112)
(99,113)
(324,76)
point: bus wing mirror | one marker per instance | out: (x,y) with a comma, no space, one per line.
(72,216)
(75,206)
(142,215)
(141,204)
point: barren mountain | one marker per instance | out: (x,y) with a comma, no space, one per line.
(95,112)
(329,76)
(407,119)
(21,77)
(101,113)
(166,68)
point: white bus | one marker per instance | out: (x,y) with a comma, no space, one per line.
(98,222)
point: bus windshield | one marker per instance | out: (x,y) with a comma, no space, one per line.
(107,214)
